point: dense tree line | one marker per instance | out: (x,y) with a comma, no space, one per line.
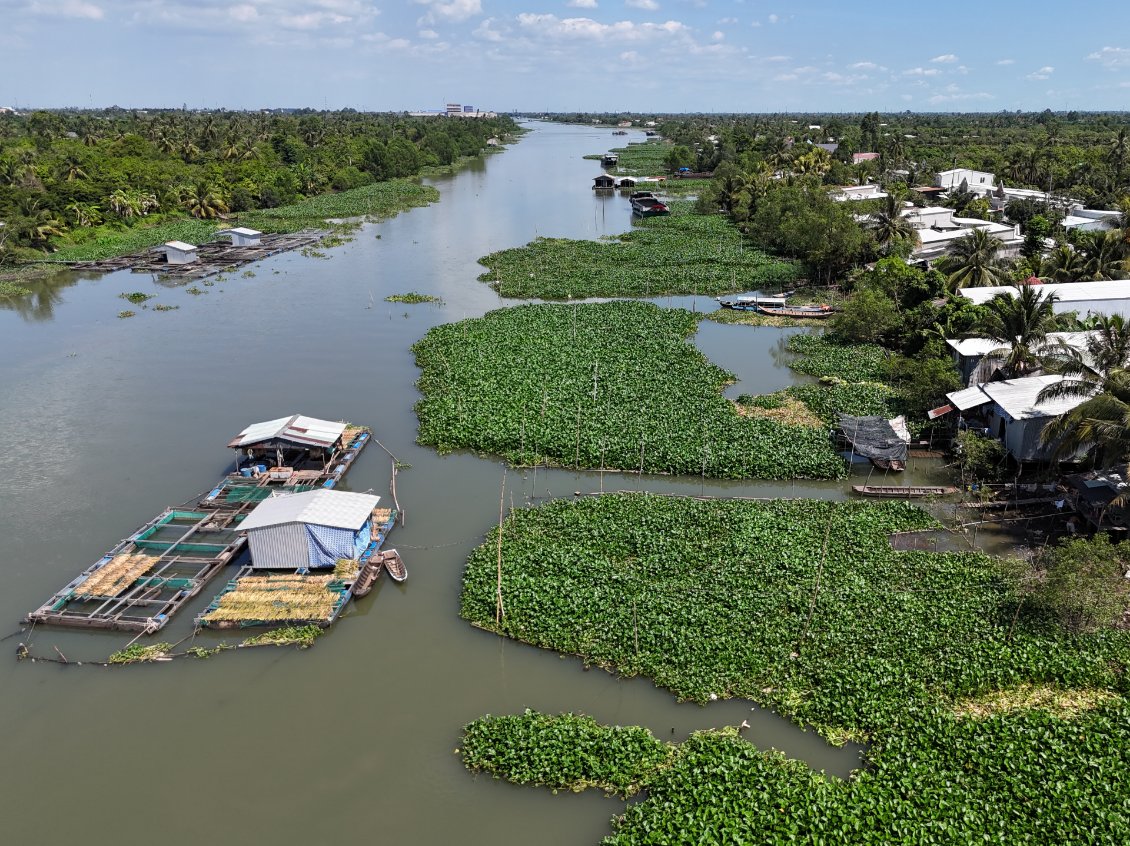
(65,170)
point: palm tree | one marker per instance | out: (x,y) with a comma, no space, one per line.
(203,201)
(1020,323)
(889,226)
(1105,255)
(972,261)
(38,230)
(1117,154)
(1101,423)
(1064,264)
(72,167)
(84,214)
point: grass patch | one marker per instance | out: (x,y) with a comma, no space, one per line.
(301,636)
(107,241)
(781,408)
(1060,702)
(378,200)
(683,253)
(752,318)
(832,397)
(563,752)
(821,356)
(612,385)
(804,606)
(412,297)
(141,653)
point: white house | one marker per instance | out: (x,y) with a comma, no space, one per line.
(309,530)
(1014,414)
(977,181)
(938,228)
(971,356)
(859,192)
(1091,220)
(178,252)
(241,236)
(1107,297)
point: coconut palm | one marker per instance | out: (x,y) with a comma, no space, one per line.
(203,201)
(38,230)
(1064,264)
(972,261)
(1100,424)
(72,169)
(1105,255)
(1020,323)
(84,214)
(1117,155)
(889,226)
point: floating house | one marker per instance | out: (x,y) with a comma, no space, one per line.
(291,442)
(309,530)
(241,236)
(178,252)
(604,182)
(609,160)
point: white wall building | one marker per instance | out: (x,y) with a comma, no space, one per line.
(859,192)
(178,252)
(938,228)
(241,236)
(978,181)
(1107,297)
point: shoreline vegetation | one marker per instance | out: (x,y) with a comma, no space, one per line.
(983,719)
(613,385)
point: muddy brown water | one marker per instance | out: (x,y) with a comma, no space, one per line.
(104,421)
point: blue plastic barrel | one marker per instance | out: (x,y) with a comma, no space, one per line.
(246,472)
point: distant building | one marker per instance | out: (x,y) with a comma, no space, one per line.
(454,110)
(859,192)
(1105,297)
(856,158)
(937,229)
(178,252)
(978,181)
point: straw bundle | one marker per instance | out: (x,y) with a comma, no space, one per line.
(346,569)
(276,599)
(349,433)
(116,575)
(381,516)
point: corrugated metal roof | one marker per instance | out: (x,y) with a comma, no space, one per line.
(1018,397)
(984,346)
(339,509)
(243,230)
(968,398)
(1067,292)
(180,245)
(309,431)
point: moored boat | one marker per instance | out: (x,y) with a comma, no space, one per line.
(367,577)
(903,491)
(801,312)
(392,562)
(646,204)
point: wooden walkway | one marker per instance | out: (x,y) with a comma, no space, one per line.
(213,257)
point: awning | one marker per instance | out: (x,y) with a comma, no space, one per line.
(968,398)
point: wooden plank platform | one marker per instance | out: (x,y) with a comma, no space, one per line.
(212,257)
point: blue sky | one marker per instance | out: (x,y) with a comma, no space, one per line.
(584,55)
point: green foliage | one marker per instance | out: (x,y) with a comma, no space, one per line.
(682,253)
(1084,582)
(867,316)
(821,355)
(11,289)
(301,636)
(106,241)
(980,458)
(567,751)
(137,297)
(380,199)
(412,297)
(140,653)
(599,385)
(833,397)
(922,382)
(805,607)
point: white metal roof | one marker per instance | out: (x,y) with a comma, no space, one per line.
(339,509)
(180,245)
(984,346)
(243,230)
(303,430)
(1066,292)
(1017,397)
(968,398)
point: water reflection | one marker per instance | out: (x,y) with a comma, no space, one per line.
(45,294)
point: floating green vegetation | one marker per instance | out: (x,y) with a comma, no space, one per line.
(412,297)
(780,407)
(161,307)
(821,356)
(752,318)
(137,297)
(106,241)
(380,200)
(644,158)
(832,397)
(11,289)
(683,253)
(564,752)
(140,653)
(196,292)
(126,313)
(301,636)
(804,607)
(204,652)
(591,385)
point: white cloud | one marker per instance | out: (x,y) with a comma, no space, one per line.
(724,21)
(68,9)
(452,11)
(944,59)
(552,27)
(486,31)
(582,4)
(959,97)
(1043,73)
(774,18)
(429,34)
(243,13)
(867,66)
(630,57)
(1007,62)
(718,35)
(1111,57)
(646,5)
(921,72)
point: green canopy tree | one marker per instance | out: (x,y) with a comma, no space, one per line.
(972,262)
(1020,323)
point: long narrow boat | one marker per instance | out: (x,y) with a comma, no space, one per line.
(368,576)
(394,564)
(903,491)
(804,312)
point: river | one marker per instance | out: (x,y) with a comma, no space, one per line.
(104,421)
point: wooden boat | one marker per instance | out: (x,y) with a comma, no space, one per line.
(903,491)
(367,577)
(895,465)
(392,562)
(803,312)
(645,204)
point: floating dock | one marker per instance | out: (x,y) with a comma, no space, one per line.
(212,258)
(302,598)
(147,577)
(144,580)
